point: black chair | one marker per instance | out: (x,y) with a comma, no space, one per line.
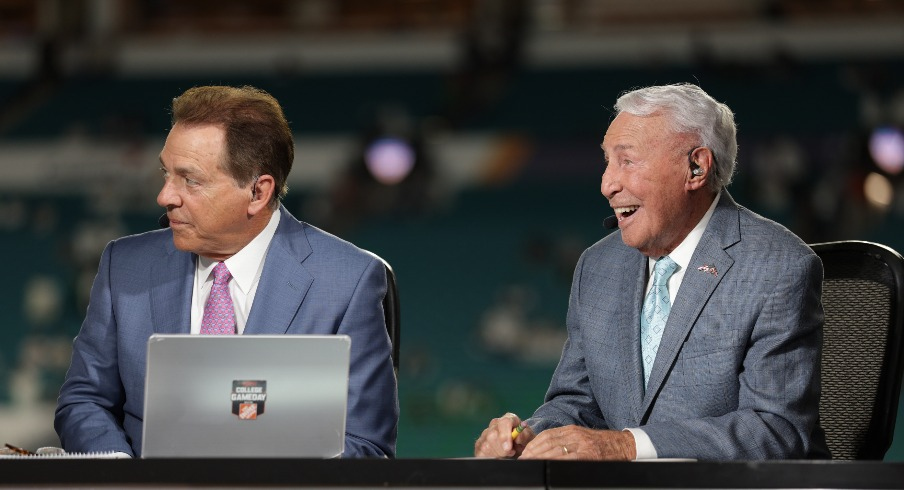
(391,313)
(863,298)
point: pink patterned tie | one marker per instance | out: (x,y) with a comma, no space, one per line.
(219,315)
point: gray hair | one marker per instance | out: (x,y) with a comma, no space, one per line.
(691,110)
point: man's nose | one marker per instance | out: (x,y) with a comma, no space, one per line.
(167,197)
(610,183)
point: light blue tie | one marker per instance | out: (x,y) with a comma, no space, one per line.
(656,308)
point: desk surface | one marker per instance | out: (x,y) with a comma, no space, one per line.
(425,473)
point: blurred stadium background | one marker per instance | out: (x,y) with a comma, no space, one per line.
(458,139)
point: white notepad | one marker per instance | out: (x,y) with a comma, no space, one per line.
(267,396)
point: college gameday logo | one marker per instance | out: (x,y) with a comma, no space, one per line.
(248,397)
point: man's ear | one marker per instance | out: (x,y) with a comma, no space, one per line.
(262,190)
(700,165)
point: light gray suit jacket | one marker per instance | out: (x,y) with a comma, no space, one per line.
(737,374)
(312,283)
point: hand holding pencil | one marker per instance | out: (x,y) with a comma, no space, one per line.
(505,437)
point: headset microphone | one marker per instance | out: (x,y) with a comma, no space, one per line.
(611,222)
(163,221)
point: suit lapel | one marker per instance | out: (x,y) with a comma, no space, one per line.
(637,267)
(171,289)
(620,343)
(696,288)
(284,281)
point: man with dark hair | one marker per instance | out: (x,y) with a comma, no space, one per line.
(695,330)
(229,242)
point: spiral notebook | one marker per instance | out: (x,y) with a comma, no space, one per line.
(246,396)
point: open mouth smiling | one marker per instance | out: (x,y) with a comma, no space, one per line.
(625,211)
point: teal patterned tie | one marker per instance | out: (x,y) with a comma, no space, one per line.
(656,308)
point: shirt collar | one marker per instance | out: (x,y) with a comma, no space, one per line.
(685,250)
(245,264)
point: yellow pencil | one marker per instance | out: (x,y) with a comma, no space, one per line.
(517,430)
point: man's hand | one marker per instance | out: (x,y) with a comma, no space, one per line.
(496,440)
(573,442)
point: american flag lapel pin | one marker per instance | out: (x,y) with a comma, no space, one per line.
(708,268)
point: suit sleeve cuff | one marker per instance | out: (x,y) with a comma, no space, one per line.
(643,444)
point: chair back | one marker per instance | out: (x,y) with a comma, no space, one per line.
(863,299)
(391,313)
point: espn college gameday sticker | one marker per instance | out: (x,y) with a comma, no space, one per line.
(248,397)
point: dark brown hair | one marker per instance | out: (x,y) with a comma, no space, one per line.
(258,138)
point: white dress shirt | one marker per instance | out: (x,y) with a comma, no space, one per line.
(245,266)
(682,256)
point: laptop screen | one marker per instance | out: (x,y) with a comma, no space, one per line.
(267,396)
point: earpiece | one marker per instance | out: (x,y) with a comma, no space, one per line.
(695,169)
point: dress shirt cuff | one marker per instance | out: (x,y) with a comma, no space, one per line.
(643,444)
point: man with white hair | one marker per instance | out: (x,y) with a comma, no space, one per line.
(695,330)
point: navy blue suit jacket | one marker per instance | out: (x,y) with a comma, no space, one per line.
(312,283)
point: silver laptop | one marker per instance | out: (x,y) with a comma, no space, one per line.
(267,396)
